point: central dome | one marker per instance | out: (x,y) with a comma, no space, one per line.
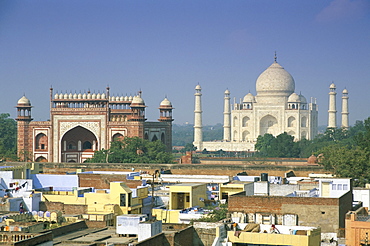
(275,81)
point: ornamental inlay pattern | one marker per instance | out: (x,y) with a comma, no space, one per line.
(92,126)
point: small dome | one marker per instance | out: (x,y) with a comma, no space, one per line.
(227,92)
(275,80)
(166,102)
(103,96)
(65,96)
(93,96)
(138,100)
(70,96)
(79,96)
(61,96)
(24,101)
(56,96)
(98,96)
(130,98)
(88,95)
(249,98)
(126,98)
(303,99)
(84,96)
(75,96)
(198,87)
(312,160)
(345,91)
(113,98)
(294,98)
(332,86)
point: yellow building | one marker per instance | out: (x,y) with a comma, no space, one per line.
(182,196)
(118,200)
(229,189)
(187,195)
(288,235)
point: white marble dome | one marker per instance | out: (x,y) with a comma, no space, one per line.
(275,80)
(249,98)
(166,102)
(137,100)
(24,101)
(294,97)
(303,99)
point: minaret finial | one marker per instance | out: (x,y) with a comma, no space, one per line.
(275,57)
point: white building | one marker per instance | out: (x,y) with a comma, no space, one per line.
(275,109)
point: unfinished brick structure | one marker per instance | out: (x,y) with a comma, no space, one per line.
(324,212)
(83,123)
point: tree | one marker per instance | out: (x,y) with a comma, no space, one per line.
(281,146)
(264,143)
(346,162)
(133,150)
(8,137)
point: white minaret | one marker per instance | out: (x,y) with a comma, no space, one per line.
(227,116)
(332,120)
(198,138)
(345,113)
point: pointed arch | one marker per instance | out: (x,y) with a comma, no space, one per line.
(245,121)
(79,144)
(154,138)
(304,121)
(117,137)
(41,159)
(246,135)
(235,121)
(291,121)
(163,139)
(41,142)
(269,124)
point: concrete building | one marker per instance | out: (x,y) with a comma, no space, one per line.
(119,199)
(260,234)
(82,123)
(275,109)
(324,207)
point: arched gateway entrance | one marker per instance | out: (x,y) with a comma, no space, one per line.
(78,144)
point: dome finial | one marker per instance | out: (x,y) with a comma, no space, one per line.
(275,57)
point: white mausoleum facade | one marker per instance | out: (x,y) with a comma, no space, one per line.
(275,109)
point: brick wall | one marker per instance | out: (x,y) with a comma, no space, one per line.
(230,169)
(64,208)
(328,213)
(101,181)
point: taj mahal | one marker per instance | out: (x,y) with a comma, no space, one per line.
(275,109)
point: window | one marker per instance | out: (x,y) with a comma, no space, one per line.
(87,145)
(122,200)
(333,186)
(339,186)
(345,186)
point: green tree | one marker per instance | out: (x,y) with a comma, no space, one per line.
(264,143)
(218,213)
(347,162)
(133,150)
(281,146)
(8,137)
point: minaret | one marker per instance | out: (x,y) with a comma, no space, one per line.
(345,113)
(198,139)
(332,120)
(227,116)
(24,119)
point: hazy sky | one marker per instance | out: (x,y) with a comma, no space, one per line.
(165,48)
